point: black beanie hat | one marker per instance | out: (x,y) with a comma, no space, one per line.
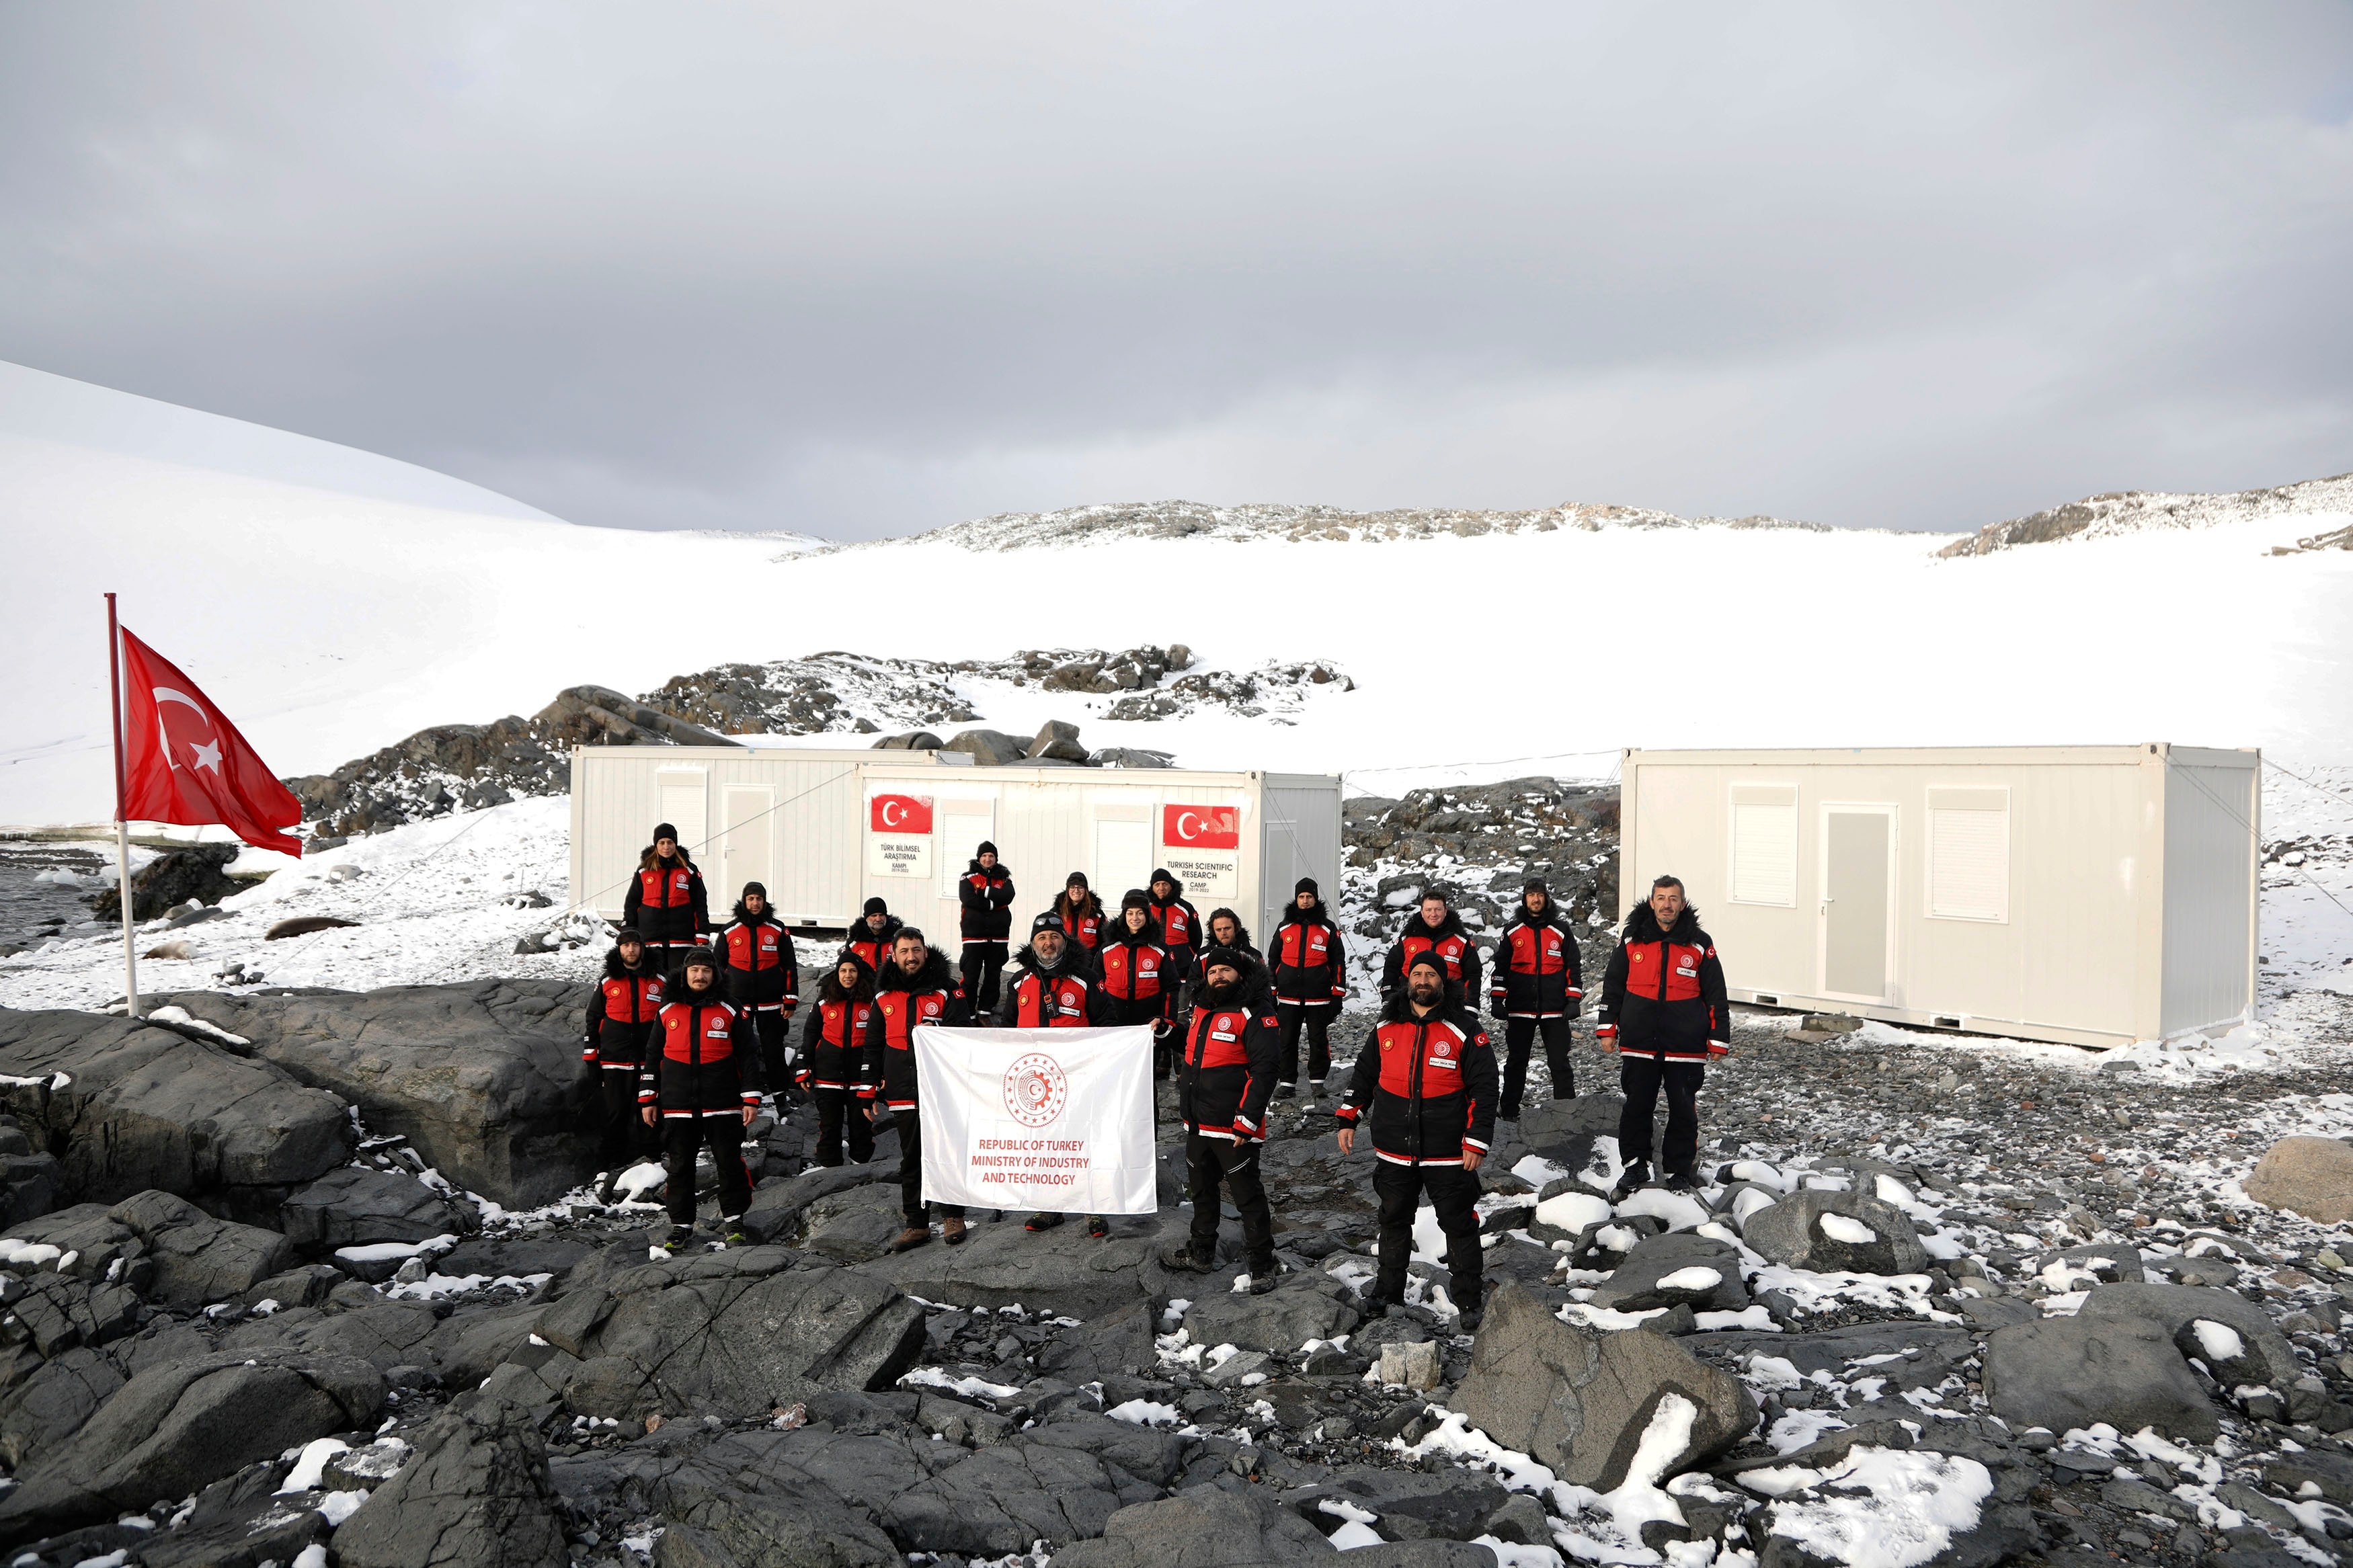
(1050,921)
(1427,959)
(1306,885)
(1222,955)
(1076,880)
(665,830)
(1136,899)
(986,848)
(752,888)
(1536,885)
(1160,874)
(701,955)
(876,907)
(628,933)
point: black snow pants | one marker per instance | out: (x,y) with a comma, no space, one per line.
(1642,1078)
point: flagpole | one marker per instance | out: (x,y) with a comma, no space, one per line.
(121,828)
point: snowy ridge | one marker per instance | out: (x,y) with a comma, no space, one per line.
(2134,511)
(1259,521)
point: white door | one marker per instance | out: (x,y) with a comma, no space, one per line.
(964,825)
(744,848)
(1122,859)
(684,806)
(1858,901)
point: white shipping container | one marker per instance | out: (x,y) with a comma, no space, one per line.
(825,830)
(2095,895)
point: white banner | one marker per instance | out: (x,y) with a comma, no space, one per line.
(1058,1120)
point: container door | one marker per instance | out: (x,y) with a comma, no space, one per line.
(745,851)
(1123,858)
(965,826)
(684,797)
(1858,860)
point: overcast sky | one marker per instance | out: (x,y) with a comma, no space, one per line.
(861,269)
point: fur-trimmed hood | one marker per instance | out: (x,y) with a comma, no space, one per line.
(1644,926)
(934,975)
(616,970)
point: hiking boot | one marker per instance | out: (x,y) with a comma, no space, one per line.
(952,1232)
(1286,1092)
(1681,1182)
(1372,1304)
(1636,1177)
(914,1236)
(1186,1261)
(1098,1226)
(607,1183)
(677,1240)
(1468,1318)
(1263,1275)
(1042,1221)
(732,1232)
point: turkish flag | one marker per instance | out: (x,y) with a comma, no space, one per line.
(1200,828)
(184,763)
(907,815)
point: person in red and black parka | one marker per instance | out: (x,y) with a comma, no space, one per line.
(985,893)
(1535,985)
(1666,1012)
(1226,929)
(1225,1081)
(1142,977)
(1082,914)
(1311,976)
(834,1062)
(1180,922)
(621,1011)
(1434,928)
(666,903)
(1426,1084)
(871,938)
(701,1083)
(1055,989)
(916,987)
(760,970)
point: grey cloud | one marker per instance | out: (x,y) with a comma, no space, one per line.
(869,269)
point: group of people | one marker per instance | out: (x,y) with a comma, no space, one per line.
(688,1029)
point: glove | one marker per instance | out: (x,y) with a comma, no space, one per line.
(1494,1007)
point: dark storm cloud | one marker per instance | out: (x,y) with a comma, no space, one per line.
(867,269)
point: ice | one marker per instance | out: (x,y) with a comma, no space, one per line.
(1353,1534)
(337,1507)
(1694,1279)
(26,1254)
(1572,1211)
(1680,1211)
(1881,1508)
(1145,1413)
(1853,1232)
(2218,1343)
(310,1468)
(968,1387)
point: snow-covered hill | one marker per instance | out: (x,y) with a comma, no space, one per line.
(2136,511)
(331,620)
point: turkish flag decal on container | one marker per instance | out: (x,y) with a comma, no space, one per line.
(903,813)
(1201,827)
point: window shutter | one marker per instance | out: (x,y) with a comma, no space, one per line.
(1765,845)
(1968,855)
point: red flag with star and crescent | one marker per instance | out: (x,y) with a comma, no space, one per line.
(184,763)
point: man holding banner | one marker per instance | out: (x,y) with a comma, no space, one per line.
(1055,990)
(1223,1084)
(915,988)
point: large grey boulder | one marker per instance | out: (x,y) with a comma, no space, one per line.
(173,1428)
(2063,1373)
(55,1312)
(354,1206)
(1861,1236)
(1062,1270)
(2306,1175)
(482,1077)
(168,1250)
(1569,1132)
(39,1412)
(476,1495)
(2173,1307)
(1302,1308)
(734,1334)
(136,1106)
(1057,740)
(1672,1270)
(988,748)
(1202,1527)
(1580,1402)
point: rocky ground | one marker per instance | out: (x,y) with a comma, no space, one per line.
(455,767)
(1938,1304)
